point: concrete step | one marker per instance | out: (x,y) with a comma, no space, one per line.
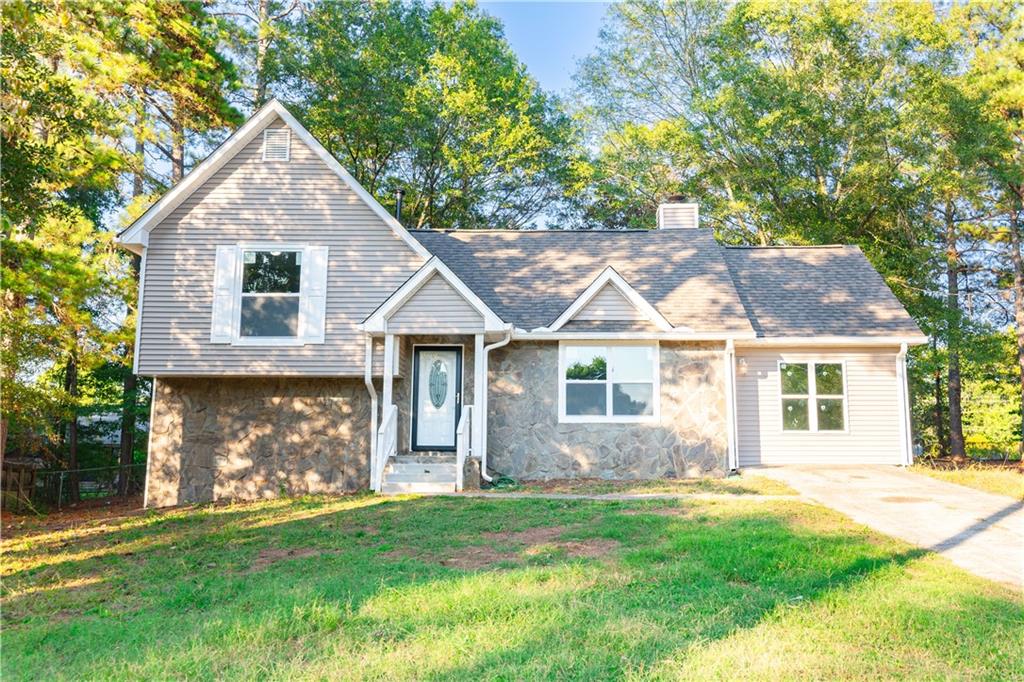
(420,488)
(422,469)
(425,457)
(419,477)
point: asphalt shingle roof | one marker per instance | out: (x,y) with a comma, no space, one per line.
(530,277)
(813,291)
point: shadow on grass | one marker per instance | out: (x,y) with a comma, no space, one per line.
(198,590)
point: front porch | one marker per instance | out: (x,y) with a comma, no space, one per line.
(431,418)
(433,332)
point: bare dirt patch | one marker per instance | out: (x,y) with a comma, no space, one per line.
(530,536)
(477,557)
(591,548)
(269,557)
(534,541)
(72,516)
(661,511)
(512,546)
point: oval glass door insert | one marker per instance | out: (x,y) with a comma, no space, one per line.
(438,384)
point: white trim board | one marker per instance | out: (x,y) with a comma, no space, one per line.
(376,323)
(136,236)
(609,381)
(610,276)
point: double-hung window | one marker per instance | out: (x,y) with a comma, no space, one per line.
(269,294)
(813,396)
(608,382)
(271,288)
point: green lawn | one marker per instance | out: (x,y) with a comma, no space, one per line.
(734,485)
(990,479)
(471,588)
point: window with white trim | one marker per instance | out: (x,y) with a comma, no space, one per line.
(608,382)
(270,293)
(813,396)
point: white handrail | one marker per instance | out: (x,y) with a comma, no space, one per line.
(463,434)
(387,443)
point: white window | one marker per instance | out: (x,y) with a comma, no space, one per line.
(269,294)
(813,396)
(271,288)
(608,382)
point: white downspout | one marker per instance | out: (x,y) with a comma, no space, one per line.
(903,392)
(368,378)
(482,403)
(730,404)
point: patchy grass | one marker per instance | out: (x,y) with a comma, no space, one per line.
(999,480)
(748,484)
(464,588)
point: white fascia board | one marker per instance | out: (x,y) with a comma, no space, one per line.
(376,323)
(674,335)
(347,178)
(610,276)
(784,341)
(138,232)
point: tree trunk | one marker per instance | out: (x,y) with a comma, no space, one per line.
(129,383)
(262,45)
(956,426)
(177,148)
(71,387)
(129,403)
(1018,302)
(940,415)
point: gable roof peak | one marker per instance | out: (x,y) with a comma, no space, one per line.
(136,236)
(610,277)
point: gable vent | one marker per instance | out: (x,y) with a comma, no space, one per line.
(276,143)
(676,216)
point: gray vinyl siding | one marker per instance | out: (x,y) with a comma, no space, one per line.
(436,308)
(873,426)
(300,201)
(609,304)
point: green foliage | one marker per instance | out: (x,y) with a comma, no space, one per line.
(431,100)
(78,79)
(888,125)
(597,369)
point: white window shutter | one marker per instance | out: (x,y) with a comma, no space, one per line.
(313,305)
(225,276)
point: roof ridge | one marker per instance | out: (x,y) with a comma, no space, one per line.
(754,247)
(421,230)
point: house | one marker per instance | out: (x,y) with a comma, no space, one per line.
(302,340)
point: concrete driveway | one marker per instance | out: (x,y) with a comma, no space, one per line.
(978,531)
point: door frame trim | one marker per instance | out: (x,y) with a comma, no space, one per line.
(414,393)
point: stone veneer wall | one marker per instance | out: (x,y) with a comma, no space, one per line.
(225,438)
(526,441)
(402,387)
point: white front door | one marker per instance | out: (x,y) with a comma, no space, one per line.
(437,397)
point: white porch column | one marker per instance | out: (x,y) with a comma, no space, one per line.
(479,419)
(389,368)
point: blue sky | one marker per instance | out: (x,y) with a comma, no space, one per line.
(550,37)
